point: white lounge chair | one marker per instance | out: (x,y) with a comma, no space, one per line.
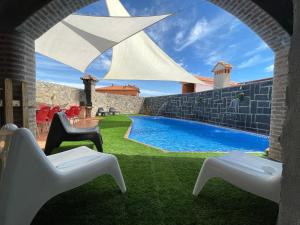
(256,175)
(30,178)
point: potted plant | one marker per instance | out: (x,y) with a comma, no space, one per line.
(240,96)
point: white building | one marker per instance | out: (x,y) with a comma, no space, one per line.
(221,79)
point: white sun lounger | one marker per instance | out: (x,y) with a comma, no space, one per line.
(30,178)
(256,175)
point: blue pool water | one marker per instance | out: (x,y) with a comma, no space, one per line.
(183,135)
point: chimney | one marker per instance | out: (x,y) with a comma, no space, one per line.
(222,75)
(90,92)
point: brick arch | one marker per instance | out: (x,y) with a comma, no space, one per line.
(49,15)
(247,11)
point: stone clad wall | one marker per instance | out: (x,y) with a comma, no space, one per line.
(219,106)
(56,94)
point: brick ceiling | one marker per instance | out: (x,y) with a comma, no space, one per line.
(13,12)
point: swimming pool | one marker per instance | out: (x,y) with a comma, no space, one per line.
(178,135)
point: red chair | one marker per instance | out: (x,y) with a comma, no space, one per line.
(70,113)
(42,118)
(76,112)
(51,113)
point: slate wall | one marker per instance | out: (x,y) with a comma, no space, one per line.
(220,106)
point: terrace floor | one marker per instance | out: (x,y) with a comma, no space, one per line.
(159,191)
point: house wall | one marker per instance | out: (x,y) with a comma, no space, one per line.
(219,106)
(121,92)
(221,76)
(203,87)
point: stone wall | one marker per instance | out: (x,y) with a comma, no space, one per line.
(124,104)
(220,106)
(56,94)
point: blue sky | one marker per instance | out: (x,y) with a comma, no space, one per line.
(198,36)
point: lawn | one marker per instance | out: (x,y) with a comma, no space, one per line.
(159,192)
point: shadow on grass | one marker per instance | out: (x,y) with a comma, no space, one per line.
(159,192)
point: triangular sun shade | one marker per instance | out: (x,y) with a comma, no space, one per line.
(139,58)
(77,40)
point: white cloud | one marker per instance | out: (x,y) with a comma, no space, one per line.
(200,30)
(103,62)
(203,29)
(158,32)
(213,57)
(234,24)
(263,46)
(270,68)
(146,92)
(179,37)
(210,54)
(250,62)
(253,61)
(182,63)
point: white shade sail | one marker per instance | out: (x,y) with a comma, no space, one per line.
(77,40)
(139,58)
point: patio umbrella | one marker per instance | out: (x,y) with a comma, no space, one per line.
(77,40)
(139,58)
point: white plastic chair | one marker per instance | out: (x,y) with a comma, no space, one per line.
(29,178)
(254,174)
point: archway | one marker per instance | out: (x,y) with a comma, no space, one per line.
(247,11)
(17,50)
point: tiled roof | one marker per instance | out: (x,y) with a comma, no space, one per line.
(119,88)
(206,80)
(210,80)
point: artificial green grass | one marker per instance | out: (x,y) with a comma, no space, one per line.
(159,191)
